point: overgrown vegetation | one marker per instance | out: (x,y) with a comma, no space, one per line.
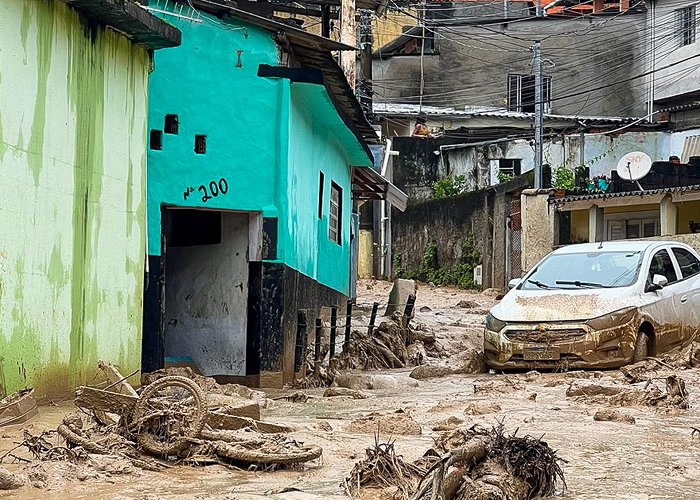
(430,271)
(563,178)
(504,176)
(450,186)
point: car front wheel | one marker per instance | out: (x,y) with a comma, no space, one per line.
(641,347)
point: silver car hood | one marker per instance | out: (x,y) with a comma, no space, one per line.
(562,305)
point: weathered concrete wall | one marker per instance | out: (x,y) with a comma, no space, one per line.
(538,218)
(666,49)
(448,222)
(73,102)
(207,302)
(459,75)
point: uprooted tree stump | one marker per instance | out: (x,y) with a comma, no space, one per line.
(482,465)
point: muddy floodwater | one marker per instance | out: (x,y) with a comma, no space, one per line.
(656,457)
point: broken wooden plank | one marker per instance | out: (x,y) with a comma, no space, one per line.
(217,420)
(117,381)
(232,405)
(107,401)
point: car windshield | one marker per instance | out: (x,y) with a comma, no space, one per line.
(585,270)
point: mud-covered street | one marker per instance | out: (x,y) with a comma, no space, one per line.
(647,451)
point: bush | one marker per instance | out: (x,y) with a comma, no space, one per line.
(450,186)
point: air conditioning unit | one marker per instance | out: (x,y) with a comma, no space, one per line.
(478,280)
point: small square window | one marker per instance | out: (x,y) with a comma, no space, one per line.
(335,214)
(156,139)
(200,144)
(172,125)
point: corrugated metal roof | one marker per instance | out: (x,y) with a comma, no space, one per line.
(403,109)
(648,192)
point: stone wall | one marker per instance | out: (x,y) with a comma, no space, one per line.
(538,226)
(449,222)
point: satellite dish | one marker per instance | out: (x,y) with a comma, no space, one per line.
(633,166)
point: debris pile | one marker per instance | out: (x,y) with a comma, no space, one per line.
(672,395)
(465,464)
(655,367)
(390,345)
(172,418)
(383,468)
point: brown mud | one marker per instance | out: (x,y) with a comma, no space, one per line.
(656,458)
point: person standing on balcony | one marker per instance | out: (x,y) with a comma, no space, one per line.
(421,130)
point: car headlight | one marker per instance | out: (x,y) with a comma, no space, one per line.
(494,324)
(613,319)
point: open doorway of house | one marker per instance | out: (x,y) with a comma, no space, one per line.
(206,290)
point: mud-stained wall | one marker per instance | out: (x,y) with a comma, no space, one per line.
(73,101)
(207,302)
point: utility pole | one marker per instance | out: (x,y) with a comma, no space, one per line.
(539,112)
(539,104)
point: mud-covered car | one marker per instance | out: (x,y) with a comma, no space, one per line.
(597,305)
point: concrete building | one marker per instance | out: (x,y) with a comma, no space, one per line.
(73,107)
(258,149)
(479,54)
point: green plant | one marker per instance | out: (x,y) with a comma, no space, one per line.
(430,271)
(563,178)
(450,186)
(503,176)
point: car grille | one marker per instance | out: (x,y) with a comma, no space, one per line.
(546,337)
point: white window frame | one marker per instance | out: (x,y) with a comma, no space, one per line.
(334,213)
(627,217)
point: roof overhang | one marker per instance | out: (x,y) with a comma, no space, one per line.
(129,18)
(630,198)
(368,184)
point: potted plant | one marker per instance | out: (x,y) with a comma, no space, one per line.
(562,180)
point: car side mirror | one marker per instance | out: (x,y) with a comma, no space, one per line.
(658,281)
(513,283)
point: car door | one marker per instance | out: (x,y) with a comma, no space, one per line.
(663,313)
(687,297)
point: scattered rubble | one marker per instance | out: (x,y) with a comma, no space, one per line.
(672,396)
(608,415)
(482,408)
(503,385)
(448,424)
(10,481)
(378,381)
(430,371)
(332,392)
(392,424)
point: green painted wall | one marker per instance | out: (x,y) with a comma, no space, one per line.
(73,104)
(237,111)
(267,137)
(314,148)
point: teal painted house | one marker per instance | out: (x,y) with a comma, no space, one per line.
(255,143)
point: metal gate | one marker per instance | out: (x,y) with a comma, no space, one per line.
(514,240)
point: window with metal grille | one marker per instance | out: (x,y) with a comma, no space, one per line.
(171,124)
(200,144)
(687,23)
(335,214)
(509,166)
(521,93)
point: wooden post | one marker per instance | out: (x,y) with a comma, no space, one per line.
(410,302)
(326,21)
(334,325)
(373,318)
(348,36)
(348,324)
(317,348)
(300,347)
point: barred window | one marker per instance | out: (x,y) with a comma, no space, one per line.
(335,214)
